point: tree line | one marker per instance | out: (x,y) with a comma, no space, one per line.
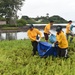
(9,9)
(44,19)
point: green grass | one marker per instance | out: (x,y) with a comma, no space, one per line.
(16,59)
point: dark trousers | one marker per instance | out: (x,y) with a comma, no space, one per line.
(62,52)
(34,44)
(67,36)
(46,36)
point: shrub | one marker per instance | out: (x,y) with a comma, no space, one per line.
(21,22)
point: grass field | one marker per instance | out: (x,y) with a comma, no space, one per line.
(16,59)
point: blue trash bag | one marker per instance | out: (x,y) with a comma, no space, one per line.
(52,38)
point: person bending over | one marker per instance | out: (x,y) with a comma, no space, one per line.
(62,42)
(33,36)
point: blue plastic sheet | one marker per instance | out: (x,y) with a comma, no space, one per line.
(46,49)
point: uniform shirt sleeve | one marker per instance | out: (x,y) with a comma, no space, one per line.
(38,32)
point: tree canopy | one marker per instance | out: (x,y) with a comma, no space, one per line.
(9,8)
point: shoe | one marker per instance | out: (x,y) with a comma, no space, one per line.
(35,56)
(32,54)
(67,57)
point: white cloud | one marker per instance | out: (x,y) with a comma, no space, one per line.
(63,8)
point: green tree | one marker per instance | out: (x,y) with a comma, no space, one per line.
(25,17)
(57,19)
(9,8)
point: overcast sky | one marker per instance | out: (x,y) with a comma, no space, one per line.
(63,8)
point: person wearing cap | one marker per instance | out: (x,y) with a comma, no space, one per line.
(62,42)
(68,31)
(47,30)
(33,36)
(72,34)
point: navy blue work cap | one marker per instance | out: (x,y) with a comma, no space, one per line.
(31,26)
(58,28)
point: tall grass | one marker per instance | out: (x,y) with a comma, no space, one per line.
(16,59)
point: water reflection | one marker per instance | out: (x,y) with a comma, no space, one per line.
(8,36)
(11,36)
(21,35)
(17,35)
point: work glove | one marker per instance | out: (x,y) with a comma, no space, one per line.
(56,43)
(38,40)
(53,45)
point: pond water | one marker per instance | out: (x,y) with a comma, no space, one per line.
(13,36)
(21,35)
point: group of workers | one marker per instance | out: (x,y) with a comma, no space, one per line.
(61,38)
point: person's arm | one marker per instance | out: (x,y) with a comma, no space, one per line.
(39,33)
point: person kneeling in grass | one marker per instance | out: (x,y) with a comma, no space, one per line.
(33,35)
(62,42)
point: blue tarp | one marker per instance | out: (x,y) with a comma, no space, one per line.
(46,49)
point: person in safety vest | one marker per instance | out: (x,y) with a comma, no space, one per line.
(62,42)
(47,30)
(69,28)
(33,36)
